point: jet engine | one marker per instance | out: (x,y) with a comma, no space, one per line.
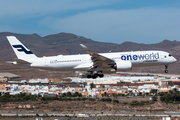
(123,65)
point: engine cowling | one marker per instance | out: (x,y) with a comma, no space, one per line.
(123,65)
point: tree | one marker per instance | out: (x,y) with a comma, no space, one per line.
(92,85)
(68,94)
(174,91)
(140,93)
(162,98)
(79,94)
(146,94)
(76,94)
(130,92)
(64,95)
(103,86)
(162,93)
(154,91)
(105,94)
(114,95)
(7,95)
(84,83)
(154,98)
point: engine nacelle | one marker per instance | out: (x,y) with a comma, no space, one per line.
(123,65)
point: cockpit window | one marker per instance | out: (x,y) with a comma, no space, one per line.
(170,55)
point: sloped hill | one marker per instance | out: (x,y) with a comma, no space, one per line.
(62,43)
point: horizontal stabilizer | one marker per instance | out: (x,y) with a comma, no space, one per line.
(9,61)
(21,61)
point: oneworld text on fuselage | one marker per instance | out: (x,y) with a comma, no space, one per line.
(140,56)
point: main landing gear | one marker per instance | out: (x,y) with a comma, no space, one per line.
(95,75)
(166,67)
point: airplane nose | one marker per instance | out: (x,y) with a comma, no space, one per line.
(175,59)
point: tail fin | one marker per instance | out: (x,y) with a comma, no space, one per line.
(20,50)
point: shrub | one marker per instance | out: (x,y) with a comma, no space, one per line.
(92,99)
(134,102)
(103,99)
(124,103)
(144,102)
(84,99)
(154,98)
(106,99)
(116,101)
(79,99)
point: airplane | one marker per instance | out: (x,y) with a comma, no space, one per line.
(96,64)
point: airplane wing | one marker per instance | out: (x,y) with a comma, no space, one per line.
(99,61)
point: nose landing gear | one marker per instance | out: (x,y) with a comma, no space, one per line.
(166,67)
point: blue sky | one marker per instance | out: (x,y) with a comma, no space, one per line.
(114,21)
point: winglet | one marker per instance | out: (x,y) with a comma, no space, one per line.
(83,46)
(87,50)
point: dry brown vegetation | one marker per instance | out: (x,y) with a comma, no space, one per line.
(91,107)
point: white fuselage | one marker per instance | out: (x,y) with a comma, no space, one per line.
(83,62)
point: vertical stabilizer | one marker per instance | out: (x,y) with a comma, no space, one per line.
(20,50)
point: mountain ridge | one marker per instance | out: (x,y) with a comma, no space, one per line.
(68,40)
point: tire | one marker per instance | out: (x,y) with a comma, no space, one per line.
(94,76)
(89,76)
(101,75)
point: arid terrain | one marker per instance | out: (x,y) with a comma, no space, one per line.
(87,107)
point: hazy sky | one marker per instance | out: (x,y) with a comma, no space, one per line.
(115,21)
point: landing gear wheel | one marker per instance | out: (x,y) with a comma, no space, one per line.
(166,71)
(101,75)
(89,76)
(94,76)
